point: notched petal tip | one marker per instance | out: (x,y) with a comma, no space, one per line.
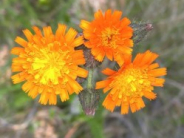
(84,24)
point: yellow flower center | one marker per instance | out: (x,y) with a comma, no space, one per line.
(131,82)
(49,64)
(109,37)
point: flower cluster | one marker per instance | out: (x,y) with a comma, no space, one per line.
(109,36)
(50,64)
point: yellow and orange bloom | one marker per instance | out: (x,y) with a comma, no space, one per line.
(108,35)
(49,64)
(131,82)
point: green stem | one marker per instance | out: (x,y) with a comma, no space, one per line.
(90,79)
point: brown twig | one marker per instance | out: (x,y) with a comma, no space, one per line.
(70,133)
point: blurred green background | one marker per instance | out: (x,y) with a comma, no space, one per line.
(22,117)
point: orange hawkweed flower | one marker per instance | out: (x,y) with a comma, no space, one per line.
(109,36)
(49,64)
(131,82)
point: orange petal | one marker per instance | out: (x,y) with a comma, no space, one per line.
(80,61)
(88,44)
(108,103)
(17,50)
(27,86)
(158,72)
(124,107)
(37,40)
(118,58)
(77,54)
(129,42)
(60,31)
(78,41)
(19,60)
(33,93)
(100,56)
(114,90)
(37,31)
(44,97)
(150,95)
(158,82)
(70,35)
(107,88)
(95,51)
(47,32)
(52,98)
(128,34)
(108,71)
(108,14)
(17,68)
(21,41)
(17,78)
(153,66)
(114,95)
(99,15)
(109,54)
(102,84)
(126,50)
(69,88)
(116,15)
(148,58)
(82,72)
(74,85)
(84,24)
(125,21)
(133,107)
(28,35)
(140,103)
(64,95)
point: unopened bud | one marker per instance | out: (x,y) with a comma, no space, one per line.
(89,99)
(140,31)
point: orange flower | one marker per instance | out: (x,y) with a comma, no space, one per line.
(49,64)
(131,82)
(108,35)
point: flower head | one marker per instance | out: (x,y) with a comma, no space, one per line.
(109,36)
(131,82)
(49,63)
